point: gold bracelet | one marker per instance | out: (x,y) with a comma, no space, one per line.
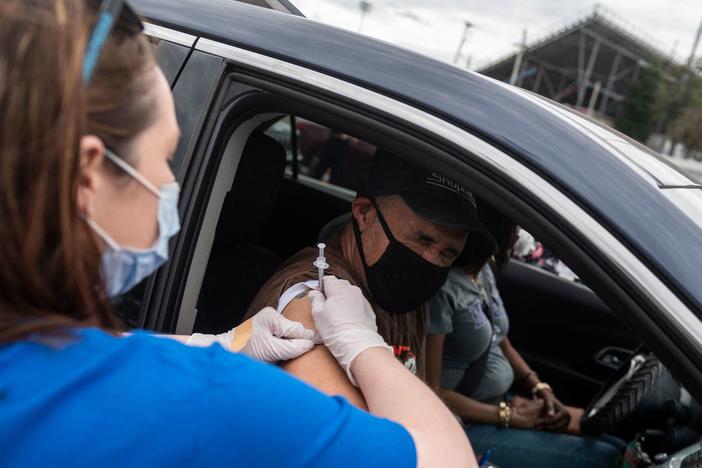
(505,414)
(541,386)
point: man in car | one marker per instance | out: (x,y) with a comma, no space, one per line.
(404,231)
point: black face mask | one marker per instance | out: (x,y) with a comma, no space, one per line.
(401,280)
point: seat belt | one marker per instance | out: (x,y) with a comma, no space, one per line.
(474,373)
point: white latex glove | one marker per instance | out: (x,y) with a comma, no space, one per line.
(273,338)
(204,340)
(345,321)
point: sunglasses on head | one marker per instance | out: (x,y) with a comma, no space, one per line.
(111,14)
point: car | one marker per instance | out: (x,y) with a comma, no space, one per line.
(624,220)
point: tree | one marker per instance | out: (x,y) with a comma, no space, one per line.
(640,113)
(682,88)
(680,95)
(687,129)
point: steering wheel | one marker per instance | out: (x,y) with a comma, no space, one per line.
(622,394)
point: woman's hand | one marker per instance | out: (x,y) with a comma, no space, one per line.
(274,338)
(526,413)
(555,417)
(345,321)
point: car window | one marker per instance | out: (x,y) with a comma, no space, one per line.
(530,250)
(169,56)
(195,83)
(322,153)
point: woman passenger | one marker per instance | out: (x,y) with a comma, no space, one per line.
(473,366)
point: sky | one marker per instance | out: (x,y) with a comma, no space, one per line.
(435,27)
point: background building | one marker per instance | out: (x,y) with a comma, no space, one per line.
(281,5)
(590,65)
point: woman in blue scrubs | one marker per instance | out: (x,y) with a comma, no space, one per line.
(87,206)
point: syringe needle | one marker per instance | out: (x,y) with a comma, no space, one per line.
(321,264)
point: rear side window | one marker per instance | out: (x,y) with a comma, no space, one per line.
(169,56)
(323,153)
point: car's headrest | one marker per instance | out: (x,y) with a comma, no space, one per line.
(258,178)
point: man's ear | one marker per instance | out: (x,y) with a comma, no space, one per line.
(363,210)
(91,153)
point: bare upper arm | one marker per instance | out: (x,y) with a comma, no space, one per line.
(318,367)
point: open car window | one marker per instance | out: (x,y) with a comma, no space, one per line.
(529,250)
(322,153)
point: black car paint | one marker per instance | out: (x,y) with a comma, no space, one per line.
(605,186)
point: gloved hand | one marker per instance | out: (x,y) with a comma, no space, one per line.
(273,338)
(345,321)
(204,340)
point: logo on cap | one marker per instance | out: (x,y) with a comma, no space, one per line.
(437,180)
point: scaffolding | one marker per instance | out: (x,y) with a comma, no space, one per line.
(589,64)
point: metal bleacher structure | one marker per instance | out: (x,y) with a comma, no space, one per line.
(595,57)
(285,6)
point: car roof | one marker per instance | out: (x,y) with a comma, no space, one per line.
(620,182)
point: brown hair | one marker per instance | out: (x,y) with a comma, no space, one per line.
(50,274)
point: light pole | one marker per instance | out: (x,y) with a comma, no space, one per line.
(690,61)
(365,7)
(466,26)
(518,59)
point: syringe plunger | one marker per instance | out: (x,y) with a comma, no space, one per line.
(321,264)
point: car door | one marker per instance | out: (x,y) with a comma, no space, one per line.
(565,332)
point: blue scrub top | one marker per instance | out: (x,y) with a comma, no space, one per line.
(148,401)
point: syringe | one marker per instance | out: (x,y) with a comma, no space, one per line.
(321,264)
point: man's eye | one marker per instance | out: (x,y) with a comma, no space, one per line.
(425,241)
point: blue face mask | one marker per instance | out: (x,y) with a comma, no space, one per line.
(124,267)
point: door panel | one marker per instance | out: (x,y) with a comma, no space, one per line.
(561,327)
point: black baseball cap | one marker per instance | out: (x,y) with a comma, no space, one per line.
(433,196)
